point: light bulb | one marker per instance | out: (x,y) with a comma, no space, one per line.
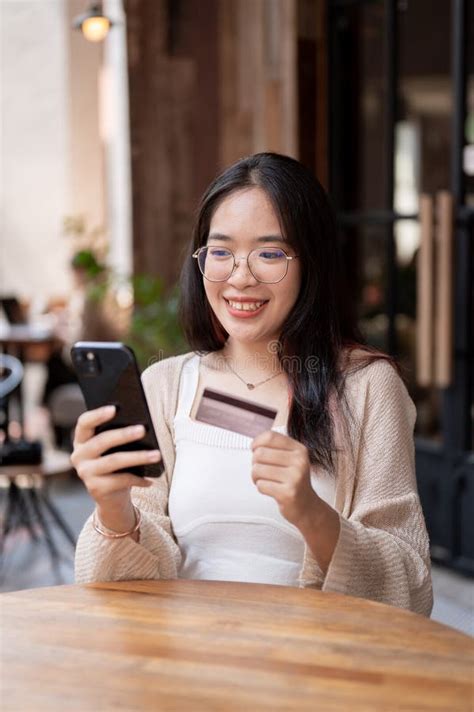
(95,29)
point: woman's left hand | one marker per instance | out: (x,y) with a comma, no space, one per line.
(281,469)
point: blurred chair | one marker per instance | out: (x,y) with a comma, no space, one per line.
(13,310)
(24,471)
(11,375)
(29,506)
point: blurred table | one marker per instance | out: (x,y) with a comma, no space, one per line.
(199,645)
(23,335)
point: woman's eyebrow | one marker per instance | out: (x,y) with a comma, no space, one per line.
(263,238)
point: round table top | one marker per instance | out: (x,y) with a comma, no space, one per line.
(202,645)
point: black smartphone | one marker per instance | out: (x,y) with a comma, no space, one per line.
(108,374)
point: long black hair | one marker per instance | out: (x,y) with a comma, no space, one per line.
(318,330)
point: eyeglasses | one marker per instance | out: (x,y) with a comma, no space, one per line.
(266,264)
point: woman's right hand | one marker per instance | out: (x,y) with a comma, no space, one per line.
(110,491)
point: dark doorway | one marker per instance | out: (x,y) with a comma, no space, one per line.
(401,134)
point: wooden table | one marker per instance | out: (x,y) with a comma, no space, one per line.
(198,645)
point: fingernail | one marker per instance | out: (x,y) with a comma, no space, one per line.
(137,430)
(154,456)
(109,410)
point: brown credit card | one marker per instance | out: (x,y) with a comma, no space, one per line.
(237,414)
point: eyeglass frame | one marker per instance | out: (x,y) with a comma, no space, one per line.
(197,252)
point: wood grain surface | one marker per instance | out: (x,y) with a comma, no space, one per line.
(198,645)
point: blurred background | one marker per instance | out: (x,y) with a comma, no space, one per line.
(115,116)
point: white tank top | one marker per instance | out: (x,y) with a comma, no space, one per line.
(226,529)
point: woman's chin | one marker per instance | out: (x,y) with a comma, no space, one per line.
(242,332)
(246,335)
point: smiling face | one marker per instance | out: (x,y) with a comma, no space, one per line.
(242,222)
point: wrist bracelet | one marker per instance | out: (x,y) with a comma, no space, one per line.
(109,533)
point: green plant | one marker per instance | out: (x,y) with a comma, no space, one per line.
(154,331)
(89,255)
(87,261)
(95,276)
(153,327)
(83,238)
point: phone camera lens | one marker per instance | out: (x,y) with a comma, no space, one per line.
(87,363)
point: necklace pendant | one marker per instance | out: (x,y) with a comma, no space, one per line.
(250,386)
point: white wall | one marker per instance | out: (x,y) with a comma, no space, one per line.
(87,169)
(51,155)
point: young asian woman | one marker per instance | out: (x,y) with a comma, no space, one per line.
(327,497)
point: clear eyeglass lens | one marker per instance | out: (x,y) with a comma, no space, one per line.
(216,263)
(267,264)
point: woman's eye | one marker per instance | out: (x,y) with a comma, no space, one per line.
(271,254)
(216,252)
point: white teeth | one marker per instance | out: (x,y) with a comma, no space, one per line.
(245,306)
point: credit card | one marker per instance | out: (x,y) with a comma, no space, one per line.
(237,414)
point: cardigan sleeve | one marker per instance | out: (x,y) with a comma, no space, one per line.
(157,554)
(382,552)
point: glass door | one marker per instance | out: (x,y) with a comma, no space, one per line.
(401,118)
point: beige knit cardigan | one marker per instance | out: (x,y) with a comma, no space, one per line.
(382,552)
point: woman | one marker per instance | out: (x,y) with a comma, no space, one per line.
(326,498)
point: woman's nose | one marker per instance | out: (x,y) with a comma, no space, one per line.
(241,274)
